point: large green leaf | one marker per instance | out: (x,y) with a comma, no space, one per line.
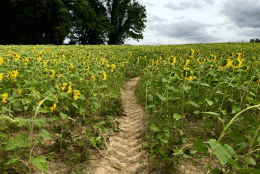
(17,141)
(41,163)
(154,128)
(46,134)
(200,146)
(209,102)
(161,97)
(249,171)
(12,160)
(223,153)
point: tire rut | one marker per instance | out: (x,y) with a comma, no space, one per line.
(125,145)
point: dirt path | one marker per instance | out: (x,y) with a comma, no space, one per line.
(125,145)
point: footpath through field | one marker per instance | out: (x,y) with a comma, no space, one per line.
(126,145)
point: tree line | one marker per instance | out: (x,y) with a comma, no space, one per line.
(32,22)
(254,40)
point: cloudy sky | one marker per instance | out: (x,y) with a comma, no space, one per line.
(199,21)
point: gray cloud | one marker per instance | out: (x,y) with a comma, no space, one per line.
(191,31)
(210,2)
(154,18)
(240,13)
(183,6)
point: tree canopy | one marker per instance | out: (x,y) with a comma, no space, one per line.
(50,21)
(120,20)
(28,22)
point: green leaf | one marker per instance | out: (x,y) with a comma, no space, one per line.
(210,113)
(154,128)
(248,171)
(63,116)
(186,88)
(174,98)
(250,119)
(18,140)
(235,109)
(219,92)
(26,101)
(185,156)
(23,121)
(209,102)
(194,104)
(82,110)
(250,161)
(150,97)
(232,100)
(200,146)
(252,94)
(161,97)
(39,122)
(216,98)
(178,152)
(145,145)
(193,151)
(224,112)
(25,107)
(75,105)
(46,134)
(171,88)
(194,164)
(63,95)
(163,140)
(223,153)
(82,97)
(234,164)
(258,139)
(236,136)
(41,163)
(151,106)
(42,110)
(252,101)
(141,161)
(49,158)
(205,84)
(164,80)
(96,105)
(117,129)
(176,116)
(167,134)
(17,106)
(92,141)
(12,160)
(196,112)
(216,171)
(117,122)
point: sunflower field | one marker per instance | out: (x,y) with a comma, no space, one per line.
(199,98)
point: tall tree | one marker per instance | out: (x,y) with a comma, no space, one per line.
(123,17)
(6,9)
(90,22)
(95,23)
(44,22)
(57,22)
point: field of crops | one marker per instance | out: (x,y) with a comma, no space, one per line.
(202,102)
